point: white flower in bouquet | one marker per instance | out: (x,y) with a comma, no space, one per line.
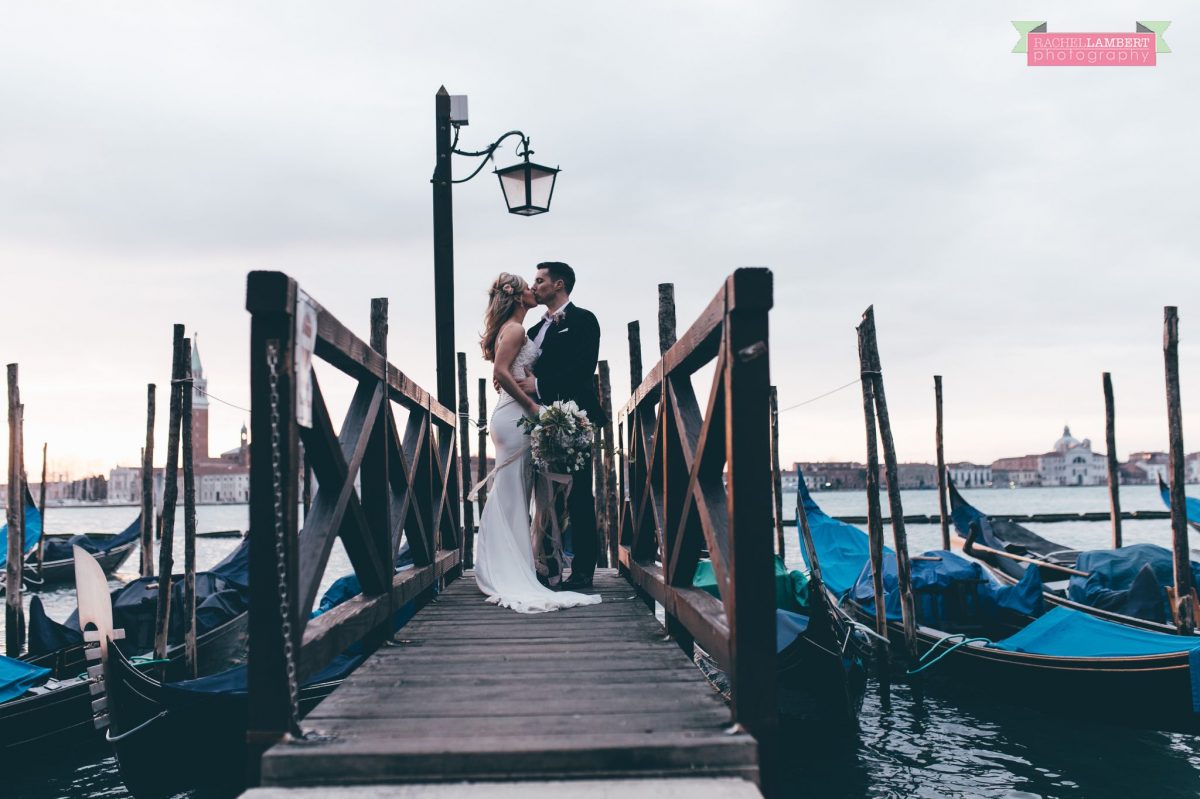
(561,438)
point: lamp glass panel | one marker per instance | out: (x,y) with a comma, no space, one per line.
(541,184)
(513,184)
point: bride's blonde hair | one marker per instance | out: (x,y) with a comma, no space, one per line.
(503,299)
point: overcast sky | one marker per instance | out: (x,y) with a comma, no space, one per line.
(1018,230)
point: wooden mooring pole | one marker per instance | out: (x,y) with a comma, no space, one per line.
(481,466)
(1114,471)
(147,533)
(941,465)
(874,518)
(14,611)
(189,517)
(610,472)
(464,441)
(166,547)
(42,513)
(599,485)
(903,569)
(777,476)
(1185,600)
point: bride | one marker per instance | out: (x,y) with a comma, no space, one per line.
(504,569)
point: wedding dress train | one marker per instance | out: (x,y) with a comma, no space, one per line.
(504,568)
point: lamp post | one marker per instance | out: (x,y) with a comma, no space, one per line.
(528,188)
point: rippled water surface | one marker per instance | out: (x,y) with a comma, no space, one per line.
(955,741)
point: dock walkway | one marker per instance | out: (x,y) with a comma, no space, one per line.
(472,692)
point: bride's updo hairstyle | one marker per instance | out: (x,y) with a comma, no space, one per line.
(503,299)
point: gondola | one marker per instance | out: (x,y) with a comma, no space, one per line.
(168,735)
(1192,504)
(822,654)
(974,630)
(57,713)
(1125,585)
(58,565)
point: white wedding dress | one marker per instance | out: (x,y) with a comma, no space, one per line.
(504,568)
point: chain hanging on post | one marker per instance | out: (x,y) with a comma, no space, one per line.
(285,610)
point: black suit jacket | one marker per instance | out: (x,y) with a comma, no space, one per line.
(566,368)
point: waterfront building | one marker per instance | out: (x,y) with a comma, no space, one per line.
(969,475)
(1150,465)
(834,476)
(1016,472)
(1072,463)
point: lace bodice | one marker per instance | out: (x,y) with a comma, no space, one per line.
(523,363)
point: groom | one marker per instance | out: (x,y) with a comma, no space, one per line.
(569,338)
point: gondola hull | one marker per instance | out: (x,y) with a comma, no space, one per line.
(1147,692)
(62,572)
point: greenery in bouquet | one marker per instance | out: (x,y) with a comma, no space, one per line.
(560,438)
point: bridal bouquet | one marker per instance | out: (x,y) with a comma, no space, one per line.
(560,438)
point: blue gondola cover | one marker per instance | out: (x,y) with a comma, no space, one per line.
(33,529)
(17,677)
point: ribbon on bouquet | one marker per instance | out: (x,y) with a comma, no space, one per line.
(490,477)
(546,522)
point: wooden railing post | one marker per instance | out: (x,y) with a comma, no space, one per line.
(271,300)
(375,473)
(610,473)
(777,477)
(751,606)
(481,466)
(464,440)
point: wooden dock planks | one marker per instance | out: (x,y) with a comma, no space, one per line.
(474,692)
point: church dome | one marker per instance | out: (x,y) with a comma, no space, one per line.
(1066,442)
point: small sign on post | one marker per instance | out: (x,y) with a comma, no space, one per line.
(306,342)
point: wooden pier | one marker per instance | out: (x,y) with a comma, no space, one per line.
(473,692)
(468,692)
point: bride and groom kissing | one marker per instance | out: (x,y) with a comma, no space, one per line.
(554,360)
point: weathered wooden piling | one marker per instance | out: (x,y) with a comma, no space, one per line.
(599,486)
(42,513)
(610,479)
(166,562)
(306,490)
(776,475)
(666,316)
(464,441)
(941,465)
(874,515)
(481,466)
(1114,472)
(1185,607)
(377,463)
(14,611)
(189,517)
(903,569)
(635,355)
(147,533)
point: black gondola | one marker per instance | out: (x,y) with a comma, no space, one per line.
(58,713)
(822,654)
(994,637)
(1124,586)
(1191,504)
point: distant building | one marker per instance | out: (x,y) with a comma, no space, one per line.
(1191,468)
(912,476)
(969,475)
(1072,463)
(1151,465)
(1016,472)
(836,476)
(789,480)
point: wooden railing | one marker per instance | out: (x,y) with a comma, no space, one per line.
(408,490)
(696,480)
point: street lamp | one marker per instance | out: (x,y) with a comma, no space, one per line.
(528,188)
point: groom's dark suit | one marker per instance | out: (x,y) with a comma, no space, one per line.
(564,371)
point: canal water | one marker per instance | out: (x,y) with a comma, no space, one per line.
(952,742)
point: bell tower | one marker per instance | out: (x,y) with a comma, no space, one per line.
(199,405)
